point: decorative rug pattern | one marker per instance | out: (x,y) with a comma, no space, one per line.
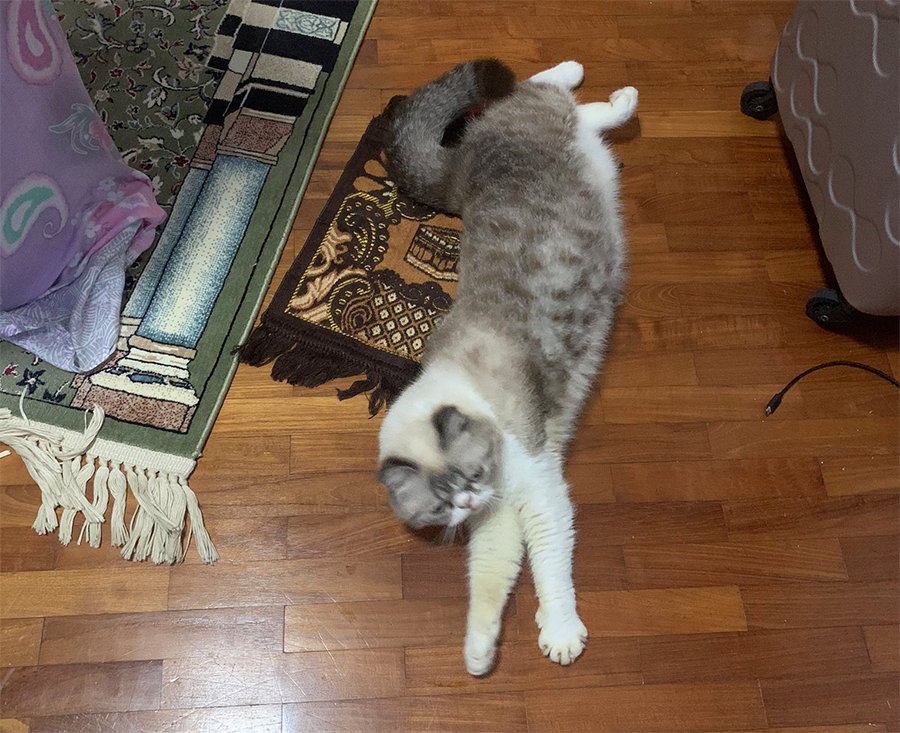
(224,105)
(374,278)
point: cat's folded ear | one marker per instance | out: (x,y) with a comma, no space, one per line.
(449,423)
(395,472)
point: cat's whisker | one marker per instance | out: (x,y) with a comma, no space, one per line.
(449,535)
(492,503)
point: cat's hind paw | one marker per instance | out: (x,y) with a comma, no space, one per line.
(624,101)
(562,640)
(568,75)
(480,652)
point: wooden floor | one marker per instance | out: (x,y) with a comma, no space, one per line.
(736,573)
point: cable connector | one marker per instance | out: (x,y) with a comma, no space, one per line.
(776,400)
(774,403)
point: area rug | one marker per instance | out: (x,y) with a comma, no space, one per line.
(374,278)
(224,105)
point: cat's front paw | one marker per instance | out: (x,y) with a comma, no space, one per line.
(479,653)
(562,639)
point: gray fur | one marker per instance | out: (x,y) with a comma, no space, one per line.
(450,424)
(421,166)
(541,257)
(421,496)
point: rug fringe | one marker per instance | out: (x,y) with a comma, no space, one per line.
(262,345)
(380,389)
(63,463)
(305,364)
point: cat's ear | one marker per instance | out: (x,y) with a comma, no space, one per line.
(449,423)
(394,473)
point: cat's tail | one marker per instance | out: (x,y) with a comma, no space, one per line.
(417,161)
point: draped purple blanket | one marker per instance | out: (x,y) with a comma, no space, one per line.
(73,215)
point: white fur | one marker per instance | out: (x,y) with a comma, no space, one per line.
(595,118)
(568,75)
(407,431)
(607,115)
(496,549)
(534,511)
(539,495)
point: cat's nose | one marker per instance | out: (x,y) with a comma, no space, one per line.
(464,501)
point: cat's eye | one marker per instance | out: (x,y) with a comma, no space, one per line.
(478,474)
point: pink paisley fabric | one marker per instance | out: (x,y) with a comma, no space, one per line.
(73,215)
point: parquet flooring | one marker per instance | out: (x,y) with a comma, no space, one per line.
(736,573)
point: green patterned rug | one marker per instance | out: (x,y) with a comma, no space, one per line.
(224,106)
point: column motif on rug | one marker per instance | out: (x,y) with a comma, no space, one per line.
(273,57)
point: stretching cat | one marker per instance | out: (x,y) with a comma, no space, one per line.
(479,437)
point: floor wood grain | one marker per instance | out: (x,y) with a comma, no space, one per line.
(736,572)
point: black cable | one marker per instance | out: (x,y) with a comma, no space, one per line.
(776,400)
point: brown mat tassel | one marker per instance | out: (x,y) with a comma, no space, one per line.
(304,363)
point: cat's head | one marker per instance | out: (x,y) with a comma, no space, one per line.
(441,468)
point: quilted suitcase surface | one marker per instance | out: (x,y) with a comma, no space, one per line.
(836,74)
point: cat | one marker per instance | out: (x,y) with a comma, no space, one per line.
(479,437)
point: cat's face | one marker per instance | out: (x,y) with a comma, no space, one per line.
(456,479)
